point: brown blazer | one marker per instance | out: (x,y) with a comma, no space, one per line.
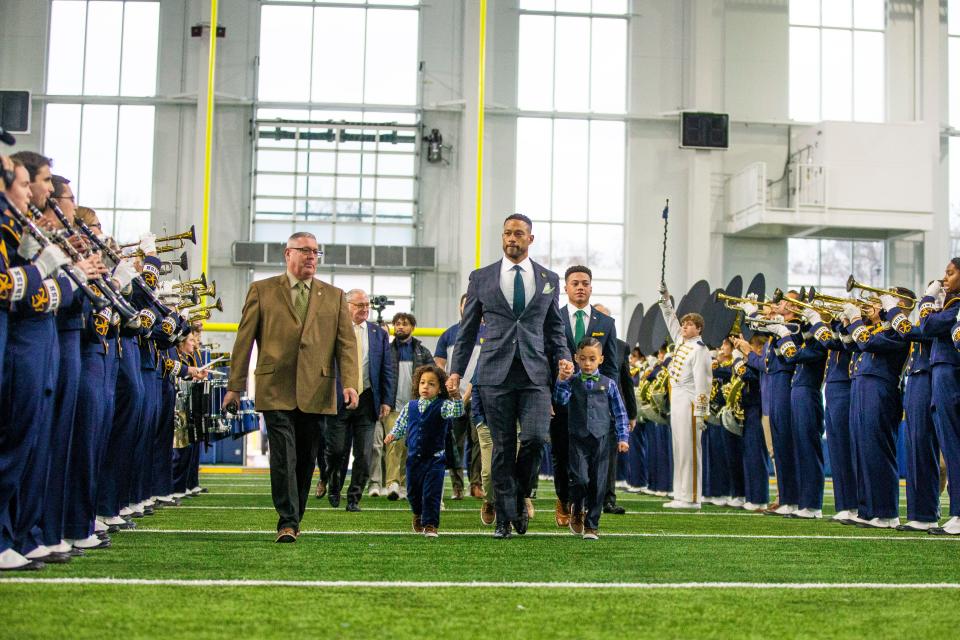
(296,364)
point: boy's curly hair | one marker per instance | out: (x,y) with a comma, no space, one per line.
(437,371)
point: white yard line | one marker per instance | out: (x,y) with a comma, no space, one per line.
(477,510)
(561,534)
(384,584)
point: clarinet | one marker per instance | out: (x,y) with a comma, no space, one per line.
(69,270)
(104,248)
(124,308)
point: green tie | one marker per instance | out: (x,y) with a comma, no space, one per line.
(300,304)
(579,329)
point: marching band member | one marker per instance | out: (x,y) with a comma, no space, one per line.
(722,458)
(690,379)
(749,366)
(937,321)
(877,396)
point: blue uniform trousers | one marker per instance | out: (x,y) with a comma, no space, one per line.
(181,467)
(806,414)
(733,445)
(163,443)
(784,443)
(111,369)
(878,408)
(32,364)
(637,456)
(946,417)
(589,461)
(923,451)
(114,485)
(146,432)
(716,476)
(4,320)
(842,468)
(425,487)
(756,460)
(664,456)
(64,415)
(81,506)
(29,373)
(193,477)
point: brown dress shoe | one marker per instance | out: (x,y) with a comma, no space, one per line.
(417,527)
(530,510)
(476,491)
(430,531)
(561,514)
(576,522)
(287,534)
(457,493)
(487,513)
(321,489)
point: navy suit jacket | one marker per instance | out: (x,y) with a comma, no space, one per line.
(383,380)
(537,332)
(604,329)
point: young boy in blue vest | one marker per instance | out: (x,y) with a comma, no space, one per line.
(592,402)
(425,422)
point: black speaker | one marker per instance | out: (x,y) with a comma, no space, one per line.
(15,111)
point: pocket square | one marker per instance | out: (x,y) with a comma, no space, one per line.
(548,288)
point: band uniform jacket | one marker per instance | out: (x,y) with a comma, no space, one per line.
(296,363)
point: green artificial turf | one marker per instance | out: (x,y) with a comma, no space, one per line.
(183,543)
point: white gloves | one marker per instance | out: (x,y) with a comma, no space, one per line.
(124,273)
(50,259)
(701,423)
(851,312)
(736,355)
(148,243)
(889,302)
(28,247)
(933,289)
(811,316)
(749,308)
(779,330)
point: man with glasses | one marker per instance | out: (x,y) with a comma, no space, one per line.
(304,336)
(375,383)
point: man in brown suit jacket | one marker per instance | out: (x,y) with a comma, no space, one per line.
(304,334)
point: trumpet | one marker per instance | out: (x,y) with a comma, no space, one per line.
(162,248)
(853,284)
(167,266)
(188,299)
(191,284)
(826,313)
(207,309)
(733,302)
(208,291)
(190,234)
(762,323)
(834,304)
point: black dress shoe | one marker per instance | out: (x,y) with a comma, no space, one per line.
(33,565)
(940,531)
(56,558)
(502,532)
(75,552)
(353,507)
(148,511)
(334,499)
(614,509)
(520,524)
(127,525)
(204,490)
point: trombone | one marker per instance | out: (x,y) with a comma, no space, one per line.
(190,234)
(853,284)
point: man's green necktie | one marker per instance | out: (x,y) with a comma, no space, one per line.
(579,328)
(300,304)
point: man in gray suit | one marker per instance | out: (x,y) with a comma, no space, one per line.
(517,300)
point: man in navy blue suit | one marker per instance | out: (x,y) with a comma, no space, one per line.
(375,384)
(580,320)
(516,298)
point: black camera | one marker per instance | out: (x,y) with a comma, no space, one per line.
(378,304)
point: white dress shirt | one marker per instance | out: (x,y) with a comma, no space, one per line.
(507,275)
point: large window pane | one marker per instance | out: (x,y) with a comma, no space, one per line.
(803,257)
(804,73)
(338,43)
(391,59)
(102,61)
(608,65)
(868,263)
(836,13)
(869,14)
(805,12)
(953,18)
(61,139)
(135,157)
(98,161)
(65,62)
(954,150)
(569,245)
(606,251)
(285,53)
(836,262)
(535,63)
(538,5)
(607,160)
(541,248)
(128,226)
(868,87)
(570,170)
(141,30)
(534,161)
(572,68)
(954,88)
(837,74)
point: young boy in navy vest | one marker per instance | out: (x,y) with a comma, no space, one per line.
(425,421)
(592,402)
